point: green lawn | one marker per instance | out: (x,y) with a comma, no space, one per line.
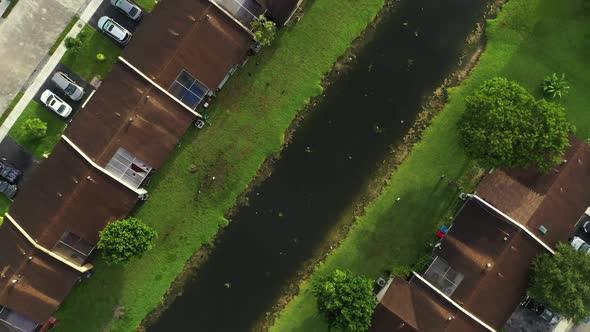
(529,39)
(55,126)
(148,5)
(83,61)
(248,122)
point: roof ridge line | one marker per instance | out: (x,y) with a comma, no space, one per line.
(153,83)
(81,269)
(517,224)
(138,191)
(465,311)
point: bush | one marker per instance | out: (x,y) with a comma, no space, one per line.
(504,126)
(34,128)
(72,43)
(122,240)
(264,30)
(555,86)
(100,57)
(346,301)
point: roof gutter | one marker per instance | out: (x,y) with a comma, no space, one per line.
(138,191)
(472,316)
(517,224)
(159,87)
(81,269)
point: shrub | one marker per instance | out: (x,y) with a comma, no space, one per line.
(72,43)
(100,57)
(555,86)
(34,128)
(122,240)
(346,301)
(264,30)
(504,126)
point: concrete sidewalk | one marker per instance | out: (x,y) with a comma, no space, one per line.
(38,75)
(25,37)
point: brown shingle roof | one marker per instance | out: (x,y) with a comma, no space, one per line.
(194,35)
(477,237)
(67,194)
(415,307)
(127,111)
(42,282)
(556,199)
(280,10)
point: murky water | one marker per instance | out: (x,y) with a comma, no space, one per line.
(336,149)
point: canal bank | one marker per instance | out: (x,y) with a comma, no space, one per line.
(528,40)
(213,166)
(336,148)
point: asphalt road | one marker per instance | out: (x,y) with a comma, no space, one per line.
(48,84)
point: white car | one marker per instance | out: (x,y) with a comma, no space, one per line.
(55,104)
(114,30)
(129,8)
(580,245)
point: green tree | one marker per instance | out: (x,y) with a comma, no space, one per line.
(72,43)
(34,128)
(560,281)
(124,239)
(264,30)
(346,301)
(504,126)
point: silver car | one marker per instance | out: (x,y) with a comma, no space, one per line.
(114,30)
(129,8)
(68,86)
(55,104)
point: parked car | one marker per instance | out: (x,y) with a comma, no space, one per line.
(541,310)
(580,245)
(586,227)
(8,189)
(55,104)
(68,86)
(129,8)
(114,30)
(8,172)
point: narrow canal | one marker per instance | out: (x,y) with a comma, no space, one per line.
(337,147)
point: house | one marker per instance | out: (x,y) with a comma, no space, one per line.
(189,48)
(246,11)
(67,202)
(181,54)
(32,283)
(482,266)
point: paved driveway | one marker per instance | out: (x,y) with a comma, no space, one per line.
(106,9)
(18,157)
(48,84)
(26,36)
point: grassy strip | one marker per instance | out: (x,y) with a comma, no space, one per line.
(11,106)
(9,8)
(530,39)
(63,34)
(55,126)
(147,5)
(247,125)
(83,60)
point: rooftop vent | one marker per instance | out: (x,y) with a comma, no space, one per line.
(543,229)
